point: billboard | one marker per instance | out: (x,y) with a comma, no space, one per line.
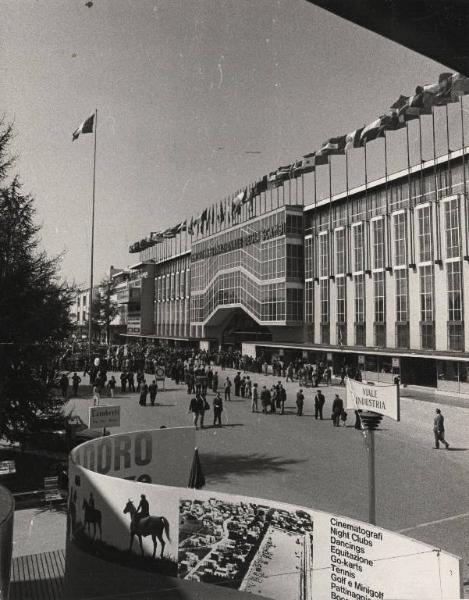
(246,545)
(381,399)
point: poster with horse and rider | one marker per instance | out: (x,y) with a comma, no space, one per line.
(124,523)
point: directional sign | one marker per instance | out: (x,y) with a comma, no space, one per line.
(160,373)
(381,399)
(104,416)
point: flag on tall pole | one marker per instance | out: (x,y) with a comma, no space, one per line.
(86,127)
(90,125)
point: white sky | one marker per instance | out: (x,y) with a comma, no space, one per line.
(174,81)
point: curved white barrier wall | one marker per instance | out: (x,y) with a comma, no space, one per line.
(245,544)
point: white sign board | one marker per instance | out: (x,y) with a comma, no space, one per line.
(381,399)
(160,373)
(104,416)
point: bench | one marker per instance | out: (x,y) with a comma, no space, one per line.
(51,490)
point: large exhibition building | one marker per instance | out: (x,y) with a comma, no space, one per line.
(372,277)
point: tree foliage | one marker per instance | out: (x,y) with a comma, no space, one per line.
(104,309)
(34,307)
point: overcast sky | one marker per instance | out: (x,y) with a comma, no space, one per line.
(185,89)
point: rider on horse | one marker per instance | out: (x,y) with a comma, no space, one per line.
(143,509)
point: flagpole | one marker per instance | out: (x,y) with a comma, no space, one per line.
(366,229)
(331,241)
(347,240)
(90,312)
(437,199)
(450,175)
(411,206)
(466,237)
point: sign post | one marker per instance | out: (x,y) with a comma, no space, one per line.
(383,400)
(160,374)
(104,416)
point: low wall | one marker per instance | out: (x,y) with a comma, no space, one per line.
(206,539)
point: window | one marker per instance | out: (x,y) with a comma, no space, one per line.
(427,326)
(324,255)
(309,258)
(399,238)
(309,290)
(359,298)
(341,303)
(295,267)
(378,243)
(379,296)
(424,234)
(402,301)
(340,251)
(454,291)
(358,247)
(451,208)
(324,300)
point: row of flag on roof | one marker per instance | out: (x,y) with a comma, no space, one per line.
(449,88)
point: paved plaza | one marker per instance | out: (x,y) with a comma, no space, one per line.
(308,462)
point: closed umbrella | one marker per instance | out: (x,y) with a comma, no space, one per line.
(196,477)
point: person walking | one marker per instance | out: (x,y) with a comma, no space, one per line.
(64,385)
(265,399)
(254,398)
(282,397)
(96,394)
(439,430)
(217,410)
(237,383)
(143,393)
(197,408)
(130,379)
(215,382)
(300,401)
(111,384)
(227,389)
(123,378)
(337,410)
(319,401)
(76,380)
(153,389)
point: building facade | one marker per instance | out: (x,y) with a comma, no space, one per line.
(372,278)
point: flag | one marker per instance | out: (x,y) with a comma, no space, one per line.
(181,227)
(321,158)
(86,127)
(213,215)
(190,229)
(260,186)
(307,163)
(283,173)
(156,237)
(352,139)
(443,95)
(335,145)
(460,85)
(376,129)
(238,201)
(295,168)
(221,213)
(170,232)
(272,181)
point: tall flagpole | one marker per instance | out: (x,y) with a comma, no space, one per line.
(90,312)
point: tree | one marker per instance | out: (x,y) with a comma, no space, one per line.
(104,309)
(34,308)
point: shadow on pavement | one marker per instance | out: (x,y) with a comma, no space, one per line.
(218,467)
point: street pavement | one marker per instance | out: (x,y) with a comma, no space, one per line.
(420,491)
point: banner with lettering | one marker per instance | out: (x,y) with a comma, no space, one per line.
(245,545)
(381,399)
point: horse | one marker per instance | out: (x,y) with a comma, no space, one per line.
(143,526)
(92,517)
